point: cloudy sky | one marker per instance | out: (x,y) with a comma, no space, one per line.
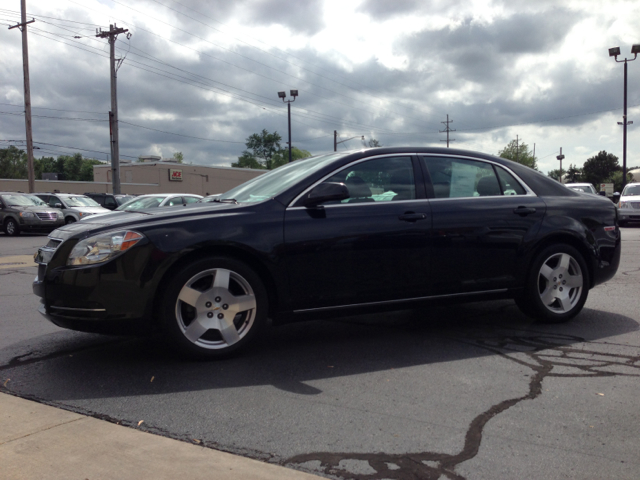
(199,76)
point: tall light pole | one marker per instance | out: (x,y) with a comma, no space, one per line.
(560,157)
(614,52)
(283,95)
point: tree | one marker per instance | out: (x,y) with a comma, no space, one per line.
(248,161)
(518,151)
(599,168)
(178,157)
(374,143)
(13,163)
(616,179)
(282,157)
(262,146)
(573,175)
(555,174)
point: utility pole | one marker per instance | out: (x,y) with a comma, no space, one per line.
(447,129)
(336,142)
(518,147)
(113,114)
(27,93)
(560,157)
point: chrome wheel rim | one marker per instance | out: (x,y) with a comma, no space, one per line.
(560,283)
(11,227)
(216,309)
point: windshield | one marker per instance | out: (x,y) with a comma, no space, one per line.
(277,181)
(123,200)
(140,203)
(81,202)
(631,190)
(37,200)
(19,200)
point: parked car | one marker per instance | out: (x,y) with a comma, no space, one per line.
(74,207)
(109,200)
(19,213)
(210,198)
(629,204)
(142,202)
(582,187)
(361,231)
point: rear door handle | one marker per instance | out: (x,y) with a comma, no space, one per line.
(524,210)
(412,217)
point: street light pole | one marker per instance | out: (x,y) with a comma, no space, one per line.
(560,157)
(283,95)
(614,52)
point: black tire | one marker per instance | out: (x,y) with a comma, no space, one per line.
(69,220)
(198,303)
(11,227)
(622,223)
(557,285)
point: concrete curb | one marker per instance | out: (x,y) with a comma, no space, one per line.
(38,441)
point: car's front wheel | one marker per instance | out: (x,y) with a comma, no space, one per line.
(557,286)
(213,307)
(11,227)
(69,220)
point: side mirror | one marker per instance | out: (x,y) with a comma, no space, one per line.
(325,192)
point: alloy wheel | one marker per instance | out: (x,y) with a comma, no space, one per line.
(560,283)
(216,308)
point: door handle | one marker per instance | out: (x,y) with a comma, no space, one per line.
(412,217)
(522,211)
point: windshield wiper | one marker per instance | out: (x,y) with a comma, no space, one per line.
(225,200)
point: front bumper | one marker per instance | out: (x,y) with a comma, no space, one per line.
(35,224)
(112,297)
(628,215)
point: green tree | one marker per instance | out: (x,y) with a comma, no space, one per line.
(573,175)
(13,163)
(262,146)
(599,168)
(248,161)
(555,174)
(282,157)
(374,143)
(518,151)
(47,165)
(616,179)
(178,157)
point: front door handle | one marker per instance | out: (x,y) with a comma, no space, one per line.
(412,217)
(524,211)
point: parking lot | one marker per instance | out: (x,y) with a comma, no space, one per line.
(471,391)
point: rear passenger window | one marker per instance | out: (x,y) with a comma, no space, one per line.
(459,178)
(509,184)
(110,202)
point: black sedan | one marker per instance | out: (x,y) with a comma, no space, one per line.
(361,231)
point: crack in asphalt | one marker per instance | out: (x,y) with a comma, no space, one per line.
(542,354)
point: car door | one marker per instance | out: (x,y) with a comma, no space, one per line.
(482,217)
(371,247)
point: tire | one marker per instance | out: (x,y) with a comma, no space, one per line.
(213,307)
(11,227)
(69,220)
(622,223)
(557,285)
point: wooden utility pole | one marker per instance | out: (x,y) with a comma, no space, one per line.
(113,114)
(447,129)
(27,93)
(560,157)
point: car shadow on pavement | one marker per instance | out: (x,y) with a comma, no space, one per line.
(287,357)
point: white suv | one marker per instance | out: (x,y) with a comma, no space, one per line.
(629,204)
(74,207)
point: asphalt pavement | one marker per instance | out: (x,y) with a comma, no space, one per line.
(472,391)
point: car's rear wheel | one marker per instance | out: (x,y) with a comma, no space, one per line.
(214,307)
(69,220)
(557,286)
(11,227)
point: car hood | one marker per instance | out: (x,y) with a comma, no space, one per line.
(101,223)
(35,208)
(90,209)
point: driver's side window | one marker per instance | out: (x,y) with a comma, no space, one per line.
(379,180)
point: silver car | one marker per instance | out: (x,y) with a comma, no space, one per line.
(75,207)
(19,213)
(629,204)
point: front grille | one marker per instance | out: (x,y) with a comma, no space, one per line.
(47,216)
(635,205)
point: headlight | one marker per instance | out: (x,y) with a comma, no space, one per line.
(84,214)
(59,214)
(100,248)
(623,205)
(27,214)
